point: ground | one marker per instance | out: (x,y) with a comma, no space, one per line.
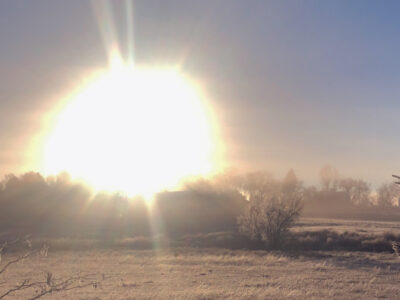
(216,273)
(340,226)
(190,273)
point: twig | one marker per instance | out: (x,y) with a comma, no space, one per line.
(65,285)
(22,286)
(15,261)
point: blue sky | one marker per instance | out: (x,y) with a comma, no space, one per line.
(295,83)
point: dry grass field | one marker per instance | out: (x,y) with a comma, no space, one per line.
(217,274)
(340,226)
(212,273)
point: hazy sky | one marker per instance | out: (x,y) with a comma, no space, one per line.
(295,83)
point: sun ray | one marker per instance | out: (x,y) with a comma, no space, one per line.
(130,33)
(102,10)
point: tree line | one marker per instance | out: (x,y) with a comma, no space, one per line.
(57,205)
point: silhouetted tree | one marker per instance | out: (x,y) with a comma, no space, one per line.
(329,177)
(357,190)
(290,183)
(387,195)
(257,186)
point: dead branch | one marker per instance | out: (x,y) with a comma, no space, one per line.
(52,285)
(4,268)
(22,286)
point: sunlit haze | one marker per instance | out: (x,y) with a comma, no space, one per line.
(135,130)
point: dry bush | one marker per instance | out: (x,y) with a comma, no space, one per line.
(273,207)
(270,219)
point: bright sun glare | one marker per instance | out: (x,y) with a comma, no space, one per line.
(134,130)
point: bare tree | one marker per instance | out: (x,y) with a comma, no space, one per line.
(290,184)
(329,177)
(357,190)
(387,195)
(273,208)
(257,186)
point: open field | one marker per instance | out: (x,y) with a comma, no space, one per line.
(124,272)
(340,226)
(218,273)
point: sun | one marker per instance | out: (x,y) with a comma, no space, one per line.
(136,130)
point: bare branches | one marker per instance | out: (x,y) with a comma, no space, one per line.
(19,258)
(26,283)
(273,208)
(50,284)
(22,286)
(14,262)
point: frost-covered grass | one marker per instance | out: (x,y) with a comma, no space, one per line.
(187,273)
(129,269)
(340,226)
